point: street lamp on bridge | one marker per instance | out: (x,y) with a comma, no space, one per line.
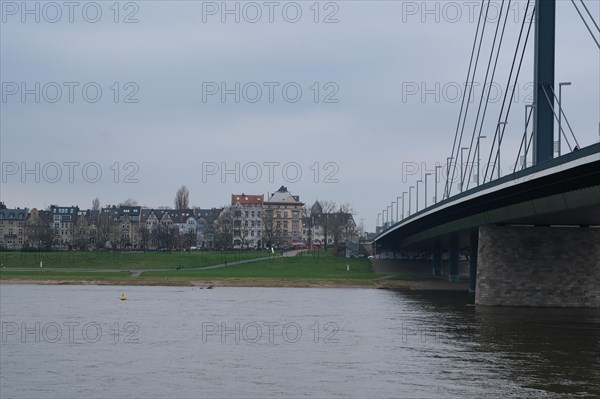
(418,181)
(394,202)
(500,134)
(462,165)
(403,195)
(426,174)
(410,199)
(479,137)
(448,178)
(436,181)
(560,85)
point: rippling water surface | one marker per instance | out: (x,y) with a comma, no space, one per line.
(83,342)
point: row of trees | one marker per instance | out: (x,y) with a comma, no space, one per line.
(182,200)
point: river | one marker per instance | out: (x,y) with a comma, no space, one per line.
(183,342)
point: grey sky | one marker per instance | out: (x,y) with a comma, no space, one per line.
(366,61)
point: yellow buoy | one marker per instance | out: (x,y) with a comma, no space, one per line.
(123,296)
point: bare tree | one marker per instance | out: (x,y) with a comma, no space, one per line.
(188,239)
(129,202)
(182,198)
(144,237)
(106,232)
(223,229)
(166,235)
(96,204)
(328,206)
(308,222)
(328,209)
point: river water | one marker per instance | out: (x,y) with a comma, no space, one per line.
(182,342)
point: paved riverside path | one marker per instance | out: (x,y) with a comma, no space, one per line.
(138,272)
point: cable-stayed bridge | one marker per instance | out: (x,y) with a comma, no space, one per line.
(532,235)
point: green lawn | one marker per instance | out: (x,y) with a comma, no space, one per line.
(123,260)
(61,275)
(305,268)
(299,267)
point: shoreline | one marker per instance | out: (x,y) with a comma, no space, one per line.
(416,285)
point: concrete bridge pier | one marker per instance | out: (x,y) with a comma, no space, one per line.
(453,258)
(437,258)
(538,266)
(474,244)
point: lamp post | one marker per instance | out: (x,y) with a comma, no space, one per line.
(436,181)
(410,199)
(426,174)
(397,205)
(418,181)
(393,202)
(479,156)
(448,178)
(462,181)
(560,85)
(403,196)
(500,143)
(378,216)
(527,106)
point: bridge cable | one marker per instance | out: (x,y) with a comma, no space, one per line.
(555,117)
(562,111)
(449,182)
(585,22)
(524,141)
(488,93)
(590,15)
(447,189)
(530,141)
(506,92)
(498,133)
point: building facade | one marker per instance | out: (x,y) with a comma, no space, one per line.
(282,219)
(247,220)
(12,227)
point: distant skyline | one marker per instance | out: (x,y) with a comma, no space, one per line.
(341,109)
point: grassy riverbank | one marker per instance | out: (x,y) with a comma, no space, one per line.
(123,260)
(315,269)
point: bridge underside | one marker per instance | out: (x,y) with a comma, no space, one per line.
(531,242)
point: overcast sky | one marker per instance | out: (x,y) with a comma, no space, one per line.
(161,120)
